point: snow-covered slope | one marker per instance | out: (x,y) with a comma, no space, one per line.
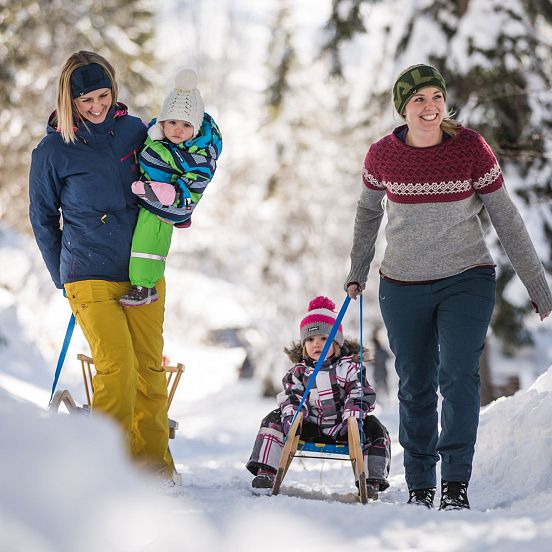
(513,460)
(66,485)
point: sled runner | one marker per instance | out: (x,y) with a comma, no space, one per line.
(174,374)
(294,447)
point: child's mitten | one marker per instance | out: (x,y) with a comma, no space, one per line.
(162,192)
(286,424)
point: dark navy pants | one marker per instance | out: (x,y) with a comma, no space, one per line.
(437,332)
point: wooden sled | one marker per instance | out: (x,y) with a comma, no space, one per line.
(295,447)
(66,398)
(174,374)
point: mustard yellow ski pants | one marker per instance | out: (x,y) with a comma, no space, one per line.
(130,384)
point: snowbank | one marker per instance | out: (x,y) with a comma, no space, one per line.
(66,485)
(513,459)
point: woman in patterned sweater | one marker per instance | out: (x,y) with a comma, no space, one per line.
(437,278)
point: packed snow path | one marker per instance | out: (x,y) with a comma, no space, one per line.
(510,492)
(67,486)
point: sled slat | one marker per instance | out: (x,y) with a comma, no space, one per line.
(288,453)
(357,458)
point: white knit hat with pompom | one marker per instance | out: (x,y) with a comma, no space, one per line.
(183,103)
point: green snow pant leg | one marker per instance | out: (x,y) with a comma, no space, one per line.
(150,246)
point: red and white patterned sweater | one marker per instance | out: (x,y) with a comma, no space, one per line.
(453,170)
(434,198)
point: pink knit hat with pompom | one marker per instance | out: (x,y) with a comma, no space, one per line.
(320,319)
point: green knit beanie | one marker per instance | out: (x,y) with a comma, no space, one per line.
(413,79)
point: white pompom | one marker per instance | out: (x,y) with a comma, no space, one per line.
(186,79)
(155,132)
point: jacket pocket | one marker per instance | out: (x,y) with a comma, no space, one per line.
(101,250)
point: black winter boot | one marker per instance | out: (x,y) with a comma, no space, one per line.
(422,497)
(454,495)
(263,481)
(372,488)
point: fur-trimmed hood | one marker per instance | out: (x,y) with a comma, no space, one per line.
(350,347)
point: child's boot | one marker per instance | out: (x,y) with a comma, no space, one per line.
(264,479)
(372,488)
(139,295)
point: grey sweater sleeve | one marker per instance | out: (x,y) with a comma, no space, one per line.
(515,239)
(367,222)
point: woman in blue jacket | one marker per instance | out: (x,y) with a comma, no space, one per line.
(83,213)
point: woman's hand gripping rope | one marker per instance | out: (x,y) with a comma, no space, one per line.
(354,289)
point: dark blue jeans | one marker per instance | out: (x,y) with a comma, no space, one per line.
(437,333)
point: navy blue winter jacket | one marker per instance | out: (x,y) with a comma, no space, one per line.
(88,181)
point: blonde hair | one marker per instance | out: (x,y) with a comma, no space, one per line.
(66,107)
(449,125)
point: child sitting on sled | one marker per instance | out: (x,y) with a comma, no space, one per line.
(334,397)
(178,160)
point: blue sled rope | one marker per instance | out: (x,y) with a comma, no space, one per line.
(361,421)
(63,353)
(320,361)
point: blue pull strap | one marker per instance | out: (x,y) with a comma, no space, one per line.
(361,421)
(63,352)
(322,357)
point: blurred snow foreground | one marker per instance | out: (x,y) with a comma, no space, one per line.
(66,485)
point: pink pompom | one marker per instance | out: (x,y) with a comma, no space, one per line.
(321,302)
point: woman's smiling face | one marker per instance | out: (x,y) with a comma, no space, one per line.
(94,106)
(426,110)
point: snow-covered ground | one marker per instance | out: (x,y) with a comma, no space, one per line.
(66,485)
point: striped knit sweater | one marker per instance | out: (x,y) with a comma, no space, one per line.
(434,198)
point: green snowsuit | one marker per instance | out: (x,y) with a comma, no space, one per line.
(189,167)
(150,247)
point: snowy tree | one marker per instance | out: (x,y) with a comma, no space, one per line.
(309,181)
(495,58)
(500,85)
(36,36)
(346,21)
